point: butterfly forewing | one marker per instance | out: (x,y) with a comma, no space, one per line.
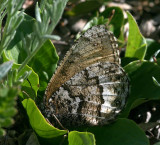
(95,45)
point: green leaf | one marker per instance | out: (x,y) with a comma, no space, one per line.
(55,11)
(152,48)
(2,132)
(38,122)
(33,140)
(136,46)
(117,19)
(44,63)
(126,60)
(156,82)
(84,7)
(4,68)
(7,107)
(15,50)
(95,21)
(121,132)
(81,138)
(30,86)
(143,87)
(158,143)
(52,37)
(13,20)
(37,13)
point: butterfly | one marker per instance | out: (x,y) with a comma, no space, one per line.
(89,87)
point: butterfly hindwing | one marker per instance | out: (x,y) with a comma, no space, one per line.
(91,97)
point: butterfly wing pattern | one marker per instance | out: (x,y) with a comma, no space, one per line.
(89,87)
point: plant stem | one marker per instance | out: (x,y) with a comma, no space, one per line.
(1,50)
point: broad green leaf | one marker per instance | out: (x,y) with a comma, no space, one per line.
(120,132)
(31,85)
(63,139)
(158,143)
(117,19)
(126,60)
(143,88)
(81,138)
(136,46)
(84,7)
(38,122)
(33,140)
(44,63)
(153,49)
(4,68)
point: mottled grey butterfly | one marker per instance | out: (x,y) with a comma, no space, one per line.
(89,87)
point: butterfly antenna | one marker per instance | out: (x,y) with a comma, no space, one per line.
(59,122)
(26,94)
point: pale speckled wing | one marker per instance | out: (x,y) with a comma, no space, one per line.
(91,97)
(95,45)
(89,87)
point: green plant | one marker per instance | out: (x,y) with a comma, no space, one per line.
(19,44)
(25,41)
